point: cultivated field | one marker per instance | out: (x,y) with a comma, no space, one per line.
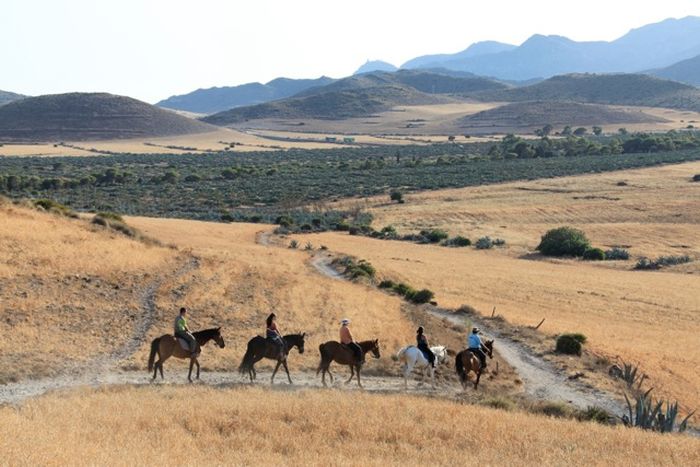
(127,426)
(623,312)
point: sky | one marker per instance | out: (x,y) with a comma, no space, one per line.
(152,49)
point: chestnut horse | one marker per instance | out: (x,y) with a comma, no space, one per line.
(259,348)
(466,361)
(333,351)
(167,346)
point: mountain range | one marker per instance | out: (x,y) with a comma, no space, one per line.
(6,97)
(212,100)
(686,71)
(649,47)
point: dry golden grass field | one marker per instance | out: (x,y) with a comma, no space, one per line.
(253,426)
(649,318)
(434,120)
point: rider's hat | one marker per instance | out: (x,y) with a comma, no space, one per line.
(476,330)
(345,321)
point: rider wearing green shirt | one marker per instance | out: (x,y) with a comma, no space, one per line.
(182,331)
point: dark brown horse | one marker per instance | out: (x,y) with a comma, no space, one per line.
(333,351)
(259,348)
(167,346)
(467,361)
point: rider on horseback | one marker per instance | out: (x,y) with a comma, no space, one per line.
(273,334)
(183,332)
(476,347)
(347,340)
(423,346)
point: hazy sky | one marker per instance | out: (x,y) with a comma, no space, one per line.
(151,49)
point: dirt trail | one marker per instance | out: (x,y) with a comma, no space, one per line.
(541,380)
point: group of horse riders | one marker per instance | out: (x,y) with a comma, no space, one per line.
(272,333)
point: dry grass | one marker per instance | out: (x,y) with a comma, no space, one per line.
(623,312)
(68,290)
(159,425)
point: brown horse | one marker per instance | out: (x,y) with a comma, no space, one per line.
(259,348)
(167,346)
(466,361)
(333,351)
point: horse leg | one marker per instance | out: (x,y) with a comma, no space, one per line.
(272,380)
(189,375)
(159,365)
(359,383)
(478,377)
(196,361)
(405,376)
(432,376)
(284,363)
(352,374)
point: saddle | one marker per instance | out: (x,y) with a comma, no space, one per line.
(183,343)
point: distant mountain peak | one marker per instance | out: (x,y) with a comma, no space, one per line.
(375,65)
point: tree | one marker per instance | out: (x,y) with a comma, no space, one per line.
(597,130)
(544,131)
(563,241)
(566,131)
(622,131)
(580,131)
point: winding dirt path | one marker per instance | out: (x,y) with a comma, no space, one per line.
(542,381)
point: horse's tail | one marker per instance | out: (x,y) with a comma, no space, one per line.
(247,361)
(154,351)
(459,367)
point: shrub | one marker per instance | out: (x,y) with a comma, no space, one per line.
(387,284)
(484,243)
(649,414)
(97,220)
(696,178)
(563,241)
(123,228)
(594,414)
(54,207)
(396,195)
(309,246)
(294,244)
(435,235)
(354,230)
(112,216)
(553,409)
(499,403)
(422,296)
(458,241)
(594,254)
(498,242)
(284,221)
(617,254)
(645,263)
(404,290)
(342,226)
(568,344)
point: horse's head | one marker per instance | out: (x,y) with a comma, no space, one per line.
(375,348)
(295,340)
(218,338)
(440,353)
(489,347)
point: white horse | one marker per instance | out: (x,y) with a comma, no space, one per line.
(412,357)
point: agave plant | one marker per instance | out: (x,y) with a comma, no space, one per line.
(648,414)
(632,376)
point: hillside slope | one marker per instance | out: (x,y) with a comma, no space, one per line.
(90,116)
(529,115)
(614,89)
(217,99)
(686,71)
(6,97)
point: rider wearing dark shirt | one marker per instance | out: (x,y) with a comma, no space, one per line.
(422,341)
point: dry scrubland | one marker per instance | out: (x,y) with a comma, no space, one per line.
(624,313)
(69,292)
(156,425)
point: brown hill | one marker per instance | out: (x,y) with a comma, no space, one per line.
(530,115)
(89,116)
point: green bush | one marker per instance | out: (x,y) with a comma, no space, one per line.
(696,178)
(594,414)
(435,235)
(484,243)
(568,344)
(294,244)
(404,290)
(563,241)
(422,296)
(594,254)
(662,261)
(112,216)
(617,254)
(54,207)
(458,241)
(396,195)
(387,284)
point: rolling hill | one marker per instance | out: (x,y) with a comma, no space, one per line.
(362,95)
(649,47)
(612,89)
(6,97)
(529,115)
(375,65)
(212,100)
(686,71)
(90,116)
